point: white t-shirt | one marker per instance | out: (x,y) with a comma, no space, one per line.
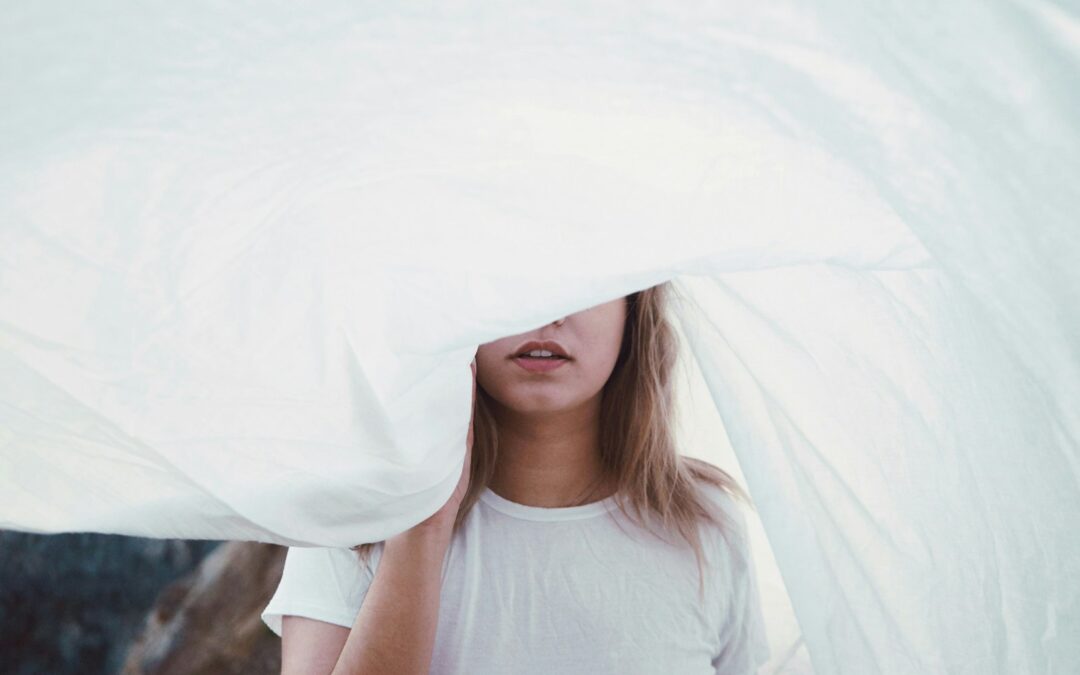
(560,590)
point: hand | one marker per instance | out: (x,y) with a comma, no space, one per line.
(448,512)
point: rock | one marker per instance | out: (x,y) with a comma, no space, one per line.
(209,621)
(72,603)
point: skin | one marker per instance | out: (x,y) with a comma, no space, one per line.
(549,423)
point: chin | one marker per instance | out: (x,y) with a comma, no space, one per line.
(537,404)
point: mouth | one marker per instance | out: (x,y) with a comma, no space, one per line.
(544,349)
(540,364)
(546,356)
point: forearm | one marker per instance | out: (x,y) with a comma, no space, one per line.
(394,631)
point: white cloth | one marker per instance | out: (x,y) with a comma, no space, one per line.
(530,590)
(247,253)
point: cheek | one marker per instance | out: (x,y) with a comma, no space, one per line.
(609,341)
(594,369)
(496,373)
(601,363)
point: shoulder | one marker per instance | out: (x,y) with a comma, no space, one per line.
(342,567)
(722,494)
(726,505)
(730,534)
(327,584)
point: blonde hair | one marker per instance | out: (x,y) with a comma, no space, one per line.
(655,485)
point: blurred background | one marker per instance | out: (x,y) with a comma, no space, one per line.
(93,603)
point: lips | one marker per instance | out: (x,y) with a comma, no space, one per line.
(534,365)
(547,345)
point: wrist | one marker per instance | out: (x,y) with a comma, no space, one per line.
(439,525)
(420,541)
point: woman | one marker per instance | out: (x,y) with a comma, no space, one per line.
(579,541)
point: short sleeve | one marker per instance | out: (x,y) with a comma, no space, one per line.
(744,644)
(328,584)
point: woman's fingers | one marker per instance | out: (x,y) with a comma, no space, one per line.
(472,366)
(472,411)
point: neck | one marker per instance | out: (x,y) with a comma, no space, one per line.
(551,459)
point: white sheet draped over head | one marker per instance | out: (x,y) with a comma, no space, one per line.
(246,256)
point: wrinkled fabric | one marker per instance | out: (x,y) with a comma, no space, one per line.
(247,255)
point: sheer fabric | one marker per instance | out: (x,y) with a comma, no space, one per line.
(246,257)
